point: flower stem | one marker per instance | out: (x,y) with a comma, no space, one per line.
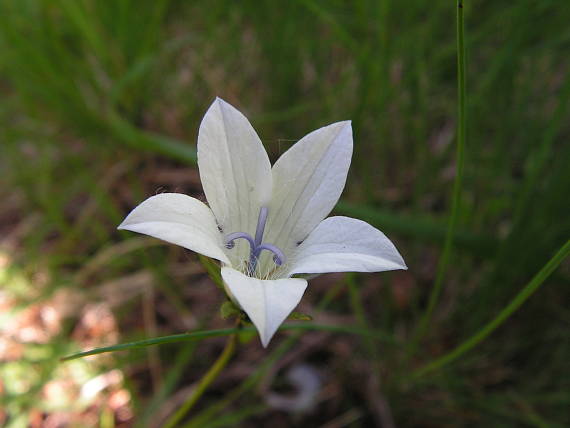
(457,185)
(203,384)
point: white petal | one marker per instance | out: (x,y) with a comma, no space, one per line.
(234,169)
(180,220)
(343,244)
(307,182)
(267,303)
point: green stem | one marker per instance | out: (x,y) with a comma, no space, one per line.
(457,185)
(518,300)
(206,380)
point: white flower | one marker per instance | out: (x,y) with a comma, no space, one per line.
(264,223)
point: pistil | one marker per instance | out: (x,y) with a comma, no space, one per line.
(256,246)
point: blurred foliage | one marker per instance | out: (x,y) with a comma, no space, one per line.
(101,101)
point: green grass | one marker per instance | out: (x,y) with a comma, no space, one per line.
(100,107)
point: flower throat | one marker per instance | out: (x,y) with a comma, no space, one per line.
(256,246)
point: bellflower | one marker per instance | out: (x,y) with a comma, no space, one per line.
(267,223)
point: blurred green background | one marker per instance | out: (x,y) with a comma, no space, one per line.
(99,109)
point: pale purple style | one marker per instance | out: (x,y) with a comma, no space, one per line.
(257,246)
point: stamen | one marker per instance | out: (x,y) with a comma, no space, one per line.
(256,245)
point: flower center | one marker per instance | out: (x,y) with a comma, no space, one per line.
(256,246)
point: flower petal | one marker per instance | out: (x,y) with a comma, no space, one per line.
(180,220)
(307,182)
(234,169)
(343,244)
(267,303)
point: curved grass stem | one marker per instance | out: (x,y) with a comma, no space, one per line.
(507,311)
(204,383)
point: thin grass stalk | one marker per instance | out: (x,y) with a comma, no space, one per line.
(457,185)
(206,334)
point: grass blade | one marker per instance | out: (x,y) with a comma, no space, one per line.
(457,184)
(199,335)
(507,311)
